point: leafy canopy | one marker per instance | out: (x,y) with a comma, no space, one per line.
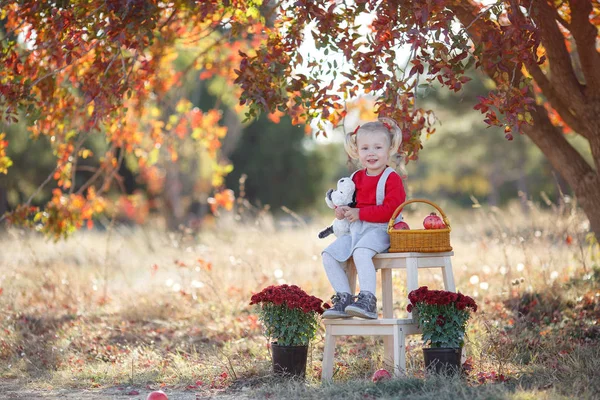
(79,68)
(439,52)
(74,69)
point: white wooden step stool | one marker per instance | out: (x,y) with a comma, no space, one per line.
(394,330)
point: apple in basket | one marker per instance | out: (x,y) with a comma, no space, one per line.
(157,395)
(401,226)
(433,221)
(380,375)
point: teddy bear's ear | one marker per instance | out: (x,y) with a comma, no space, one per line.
(353,204)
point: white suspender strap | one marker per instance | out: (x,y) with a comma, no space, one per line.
(380,194)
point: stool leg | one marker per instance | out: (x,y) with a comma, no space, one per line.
(327,367)
(387,293)
(448,275)
(399,352)
(412,278)
(388,349)
(387,298)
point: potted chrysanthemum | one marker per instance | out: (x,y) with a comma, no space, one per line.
(290,318)
(442,317)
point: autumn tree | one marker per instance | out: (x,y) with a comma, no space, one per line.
(73,70)
(541,54)
(81,68)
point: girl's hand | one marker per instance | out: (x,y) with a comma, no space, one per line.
(351,214)
(339,212)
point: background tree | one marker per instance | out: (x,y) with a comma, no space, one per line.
(75,70)
(466,157)
(542,56)
(282,168)
(79,69)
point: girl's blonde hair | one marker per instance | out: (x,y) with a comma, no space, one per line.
(388,127)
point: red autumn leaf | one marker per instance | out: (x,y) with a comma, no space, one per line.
(568,240)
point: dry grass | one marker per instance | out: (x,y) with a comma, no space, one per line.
(140,308)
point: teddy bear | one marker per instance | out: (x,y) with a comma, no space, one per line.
(342,196)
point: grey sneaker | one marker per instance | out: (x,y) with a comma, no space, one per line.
(340,301)
(365,306)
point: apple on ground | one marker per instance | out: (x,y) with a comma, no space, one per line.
(380,375)
(157,395)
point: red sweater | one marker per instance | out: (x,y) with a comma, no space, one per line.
(366,188)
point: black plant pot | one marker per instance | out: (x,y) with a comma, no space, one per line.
(442,360)
(289,360)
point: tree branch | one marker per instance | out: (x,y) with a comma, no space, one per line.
(562,21)
(556,101)
(595,147)
(160,28)
(469,16)
(39,188)
(562,104)
(561,154)
(561,70)
(585,34)
(111,174)
(76,158)
(578,173)
(96,175)
(479,15)
(56,71)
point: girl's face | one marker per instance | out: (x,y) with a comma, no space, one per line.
(373,151)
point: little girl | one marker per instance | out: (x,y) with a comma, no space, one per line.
(379,191)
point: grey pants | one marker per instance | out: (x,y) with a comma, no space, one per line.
(363,259)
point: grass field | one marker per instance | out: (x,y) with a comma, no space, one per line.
(117,313)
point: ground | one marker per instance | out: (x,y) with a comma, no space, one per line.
(14,391)
(108,313)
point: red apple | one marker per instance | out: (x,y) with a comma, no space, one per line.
(440,225)
(380,375)
(157,395)
(433,221)
(401,226)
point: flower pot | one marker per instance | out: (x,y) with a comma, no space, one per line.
(289,360)
(442,360)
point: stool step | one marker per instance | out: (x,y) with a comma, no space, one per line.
(384,321)
(383,327)
(393,330)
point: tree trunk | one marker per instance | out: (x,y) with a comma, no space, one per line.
(522,186)
(495,180)
(234,133)
(172,194)
(3,203)
(580,176)
(562,89)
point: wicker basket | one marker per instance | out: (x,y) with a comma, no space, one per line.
(419,240)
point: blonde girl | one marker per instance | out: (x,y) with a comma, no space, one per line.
(379,191)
